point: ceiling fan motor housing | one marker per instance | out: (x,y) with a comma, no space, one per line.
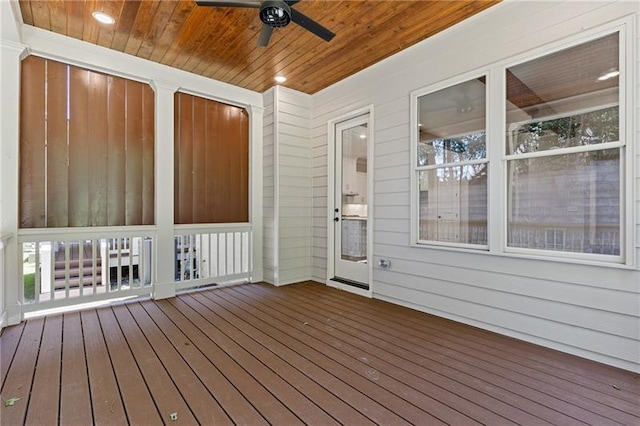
(275,13)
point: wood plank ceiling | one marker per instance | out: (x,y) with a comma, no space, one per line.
(221,42)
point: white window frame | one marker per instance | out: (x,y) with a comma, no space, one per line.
(624,133)
(497,157)
(416,169)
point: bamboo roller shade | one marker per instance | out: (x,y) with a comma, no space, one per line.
(211,161)
(86,148)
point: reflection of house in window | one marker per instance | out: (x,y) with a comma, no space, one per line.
(453,200)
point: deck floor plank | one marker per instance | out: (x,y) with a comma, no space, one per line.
(10,339)
(378,360)
(474,363)
(75,400)
(263,369)
(333,405)
(138,403)
(320,369)
(20,375)
(166,396)
(261,398)
(579,369)
(204,406)
(43,402)
(425,363)
(226,392)
(450,363)
(299,354)
(380,387)
(274,341)
(106,401)
(592,406)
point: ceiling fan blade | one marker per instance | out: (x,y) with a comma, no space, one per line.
(228,3)
(265,35)
(311,25)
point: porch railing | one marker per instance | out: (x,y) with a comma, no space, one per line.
(212,254)
(4,238)
(65,267)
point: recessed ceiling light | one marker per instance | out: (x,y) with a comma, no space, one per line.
(608,75)
(103,18)
(280,78)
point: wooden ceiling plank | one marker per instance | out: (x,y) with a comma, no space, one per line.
(208,43)
(107,32)
(40,13)
(379,16)
(239,47)
(216,55)
(181,12)
(58,14)
(25,10)
(295,46)
(191,34)
(299,43)
(352,61)
(161,18)
(125,24)
(416,25)
(75,21)
(207,32)
(91,28)
(223,45)
(143,24)
(370,49)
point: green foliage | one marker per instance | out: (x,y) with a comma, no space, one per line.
(29,286)
(587,128)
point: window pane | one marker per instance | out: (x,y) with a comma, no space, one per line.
(566,132)
(453,150)
(452,124)
(565,99)
(453,204)
(566,203)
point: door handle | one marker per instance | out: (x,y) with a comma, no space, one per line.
(336,219)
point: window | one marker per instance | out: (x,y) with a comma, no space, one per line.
(451,164)
(564,153)
(556,166)
(211,161)
(86,148)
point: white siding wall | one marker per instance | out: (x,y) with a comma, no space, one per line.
(586,310)
(287,185)
(269,221)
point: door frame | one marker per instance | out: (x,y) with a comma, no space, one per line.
(331,195)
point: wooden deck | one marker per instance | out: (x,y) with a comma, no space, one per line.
(302,354)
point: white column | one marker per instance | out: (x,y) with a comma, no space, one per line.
(164,255)
(11,54)
(255,191)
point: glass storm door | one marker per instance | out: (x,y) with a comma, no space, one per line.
(350,204)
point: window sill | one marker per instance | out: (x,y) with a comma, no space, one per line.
(614,263)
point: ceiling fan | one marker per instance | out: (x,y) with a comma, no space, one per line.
(275,14)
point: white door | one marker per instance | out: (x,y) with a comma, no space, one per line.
(350,205)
